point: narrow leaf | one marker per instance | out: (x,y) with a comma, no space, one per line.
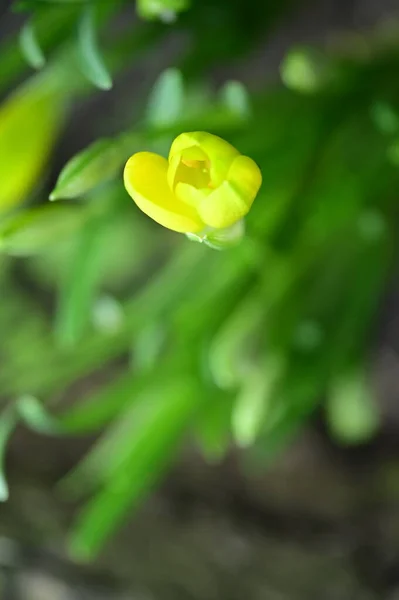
(91,61)
(213,426)
(165,10)
(235,97)
(36,417)
(29,232)
(146,453)
(8,421)
(79,289)
(165,104)
(103,406)
(254,400)
(351,408)
(126,402)
(95,165)
(30,46)
(230,349)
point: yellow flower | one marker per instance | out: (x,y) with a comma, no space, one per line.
(205,184)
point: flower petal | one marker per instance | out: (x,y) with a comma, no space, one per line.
(221,154)
(246,175)
(232,200)
(145,178)
(190,194)
(223,207)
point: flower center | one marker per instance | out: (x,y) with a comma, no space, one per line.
(194,172)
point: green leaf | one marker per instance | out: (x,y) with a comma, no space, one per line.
(165,104)
(235,97)
(79,289)
(107,315)
(213,425)
(253,400)
(165,10)
(31,231)
(25,142)
(96,164)
(385,117)
(352,412)
(90,59)
(229,353)
(101,407)
(8,422)
(147,346)
(142,455)
(30,46)
(124,402)
(307,70)
(29,4)
(36,416)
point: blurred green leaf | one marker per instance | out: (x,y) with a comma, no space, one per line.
(8,422)
(232,347)
(385,117)
(90,59)
(78,291)
(213,425)
(26,142)
(143,454)
(297,391)
(52,26)
(296,128)
(352,412)
(308,70)
(103,406)
(30,46)
(254,398)
(35,416)
(121,403)
(235,97)
(34,230)
(147,346)
(24,4)
(165,10)
(165,104)
(107,315)
(96,164)
(349,168)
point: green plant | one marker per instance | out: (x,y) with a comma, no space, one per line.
(240,345)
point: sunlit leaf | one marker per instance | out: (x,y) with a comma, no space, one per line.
(26,142)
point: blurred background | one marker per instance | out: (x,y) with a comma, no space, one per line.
(177,422)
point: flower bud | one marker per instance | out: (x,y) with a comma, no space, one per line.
(205,186)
